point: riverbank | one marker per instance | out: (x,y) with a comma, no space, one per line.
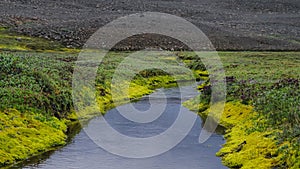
(36,99)
(35,127)
(37,107)
(245,148)
(261,115)
(28,134)
(82,152)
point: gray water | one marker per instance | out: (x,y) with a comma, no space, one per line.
(82,153)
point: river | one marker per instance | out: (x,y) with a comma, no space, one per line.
(83,153)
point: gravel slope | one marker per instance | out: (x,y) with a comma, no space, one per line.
(230,24)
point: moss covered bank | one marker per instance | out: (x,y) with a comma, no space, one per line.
(261,115)
(36,108)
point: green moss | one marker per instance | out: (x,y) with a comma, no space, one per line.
(233,114)
(246,149)
(196,104)
(27,134)
(137,89)
(243,148)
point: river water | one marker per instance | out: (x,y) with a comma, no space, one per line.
(83,153)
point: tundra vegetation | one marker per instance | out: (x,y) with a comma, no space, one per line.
(261,115)
(36,92)
(262,110)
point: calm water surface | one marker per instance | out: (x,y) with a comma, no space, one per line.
(83,153)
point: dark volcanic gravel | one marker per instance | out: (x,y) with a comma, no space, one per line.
(230,24)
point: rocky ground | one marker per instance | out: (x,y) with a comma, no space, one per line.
(230,24)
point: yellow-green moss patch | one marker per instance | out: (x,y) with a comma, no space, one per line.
(23,135)
(137,89)
(194,104)
(244,148)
